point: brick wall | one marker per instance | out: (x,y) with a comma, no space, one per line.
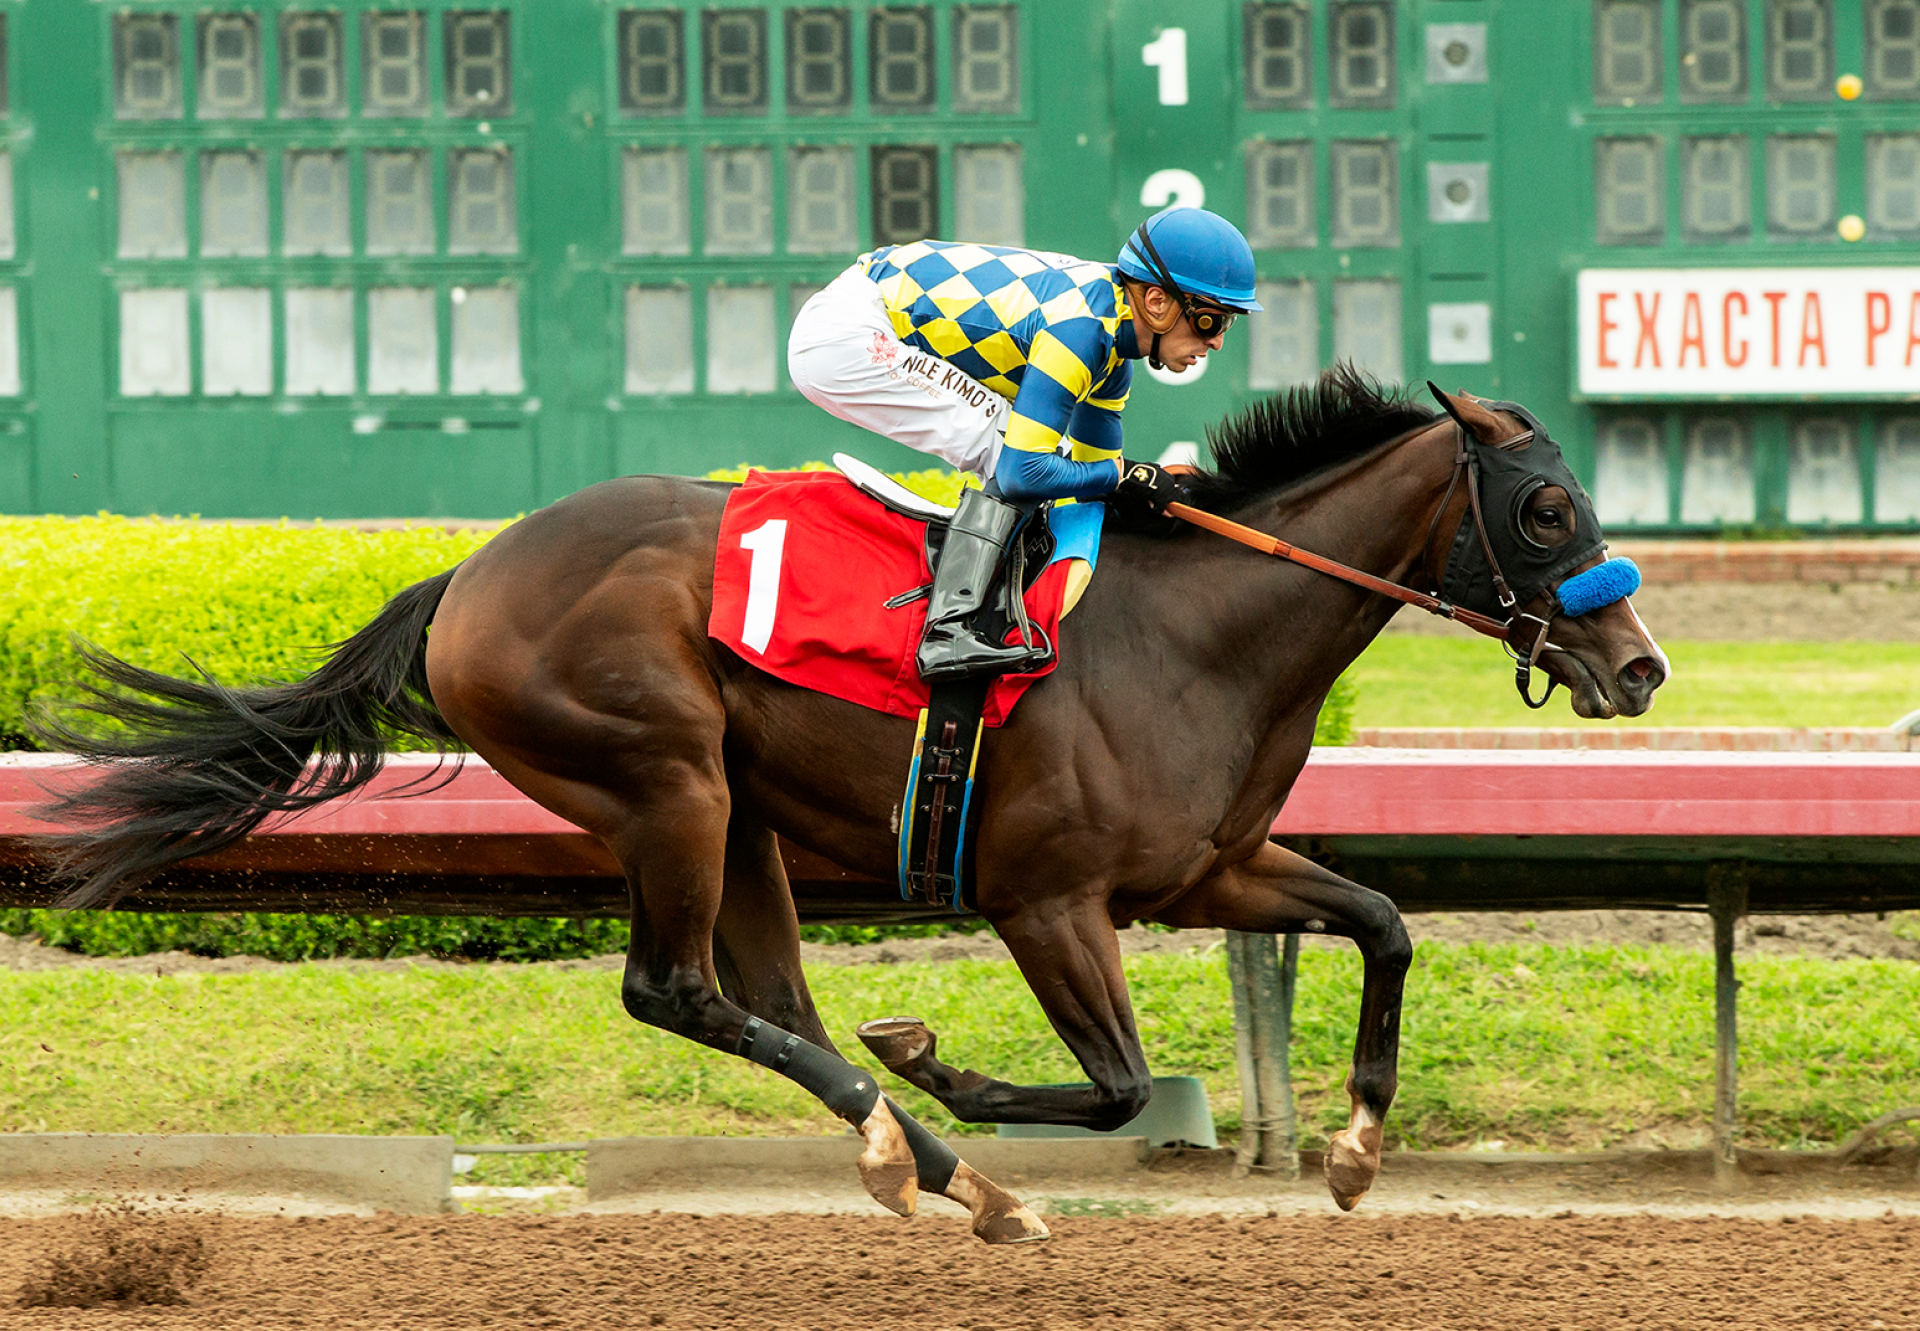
(1664,563)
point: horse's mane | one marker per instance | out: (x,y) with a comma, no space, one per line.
(1295,433)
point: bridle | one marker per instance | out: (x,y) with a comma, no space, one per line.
(1465,463)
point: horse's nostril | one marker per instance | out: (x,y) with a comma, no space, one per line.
(1643,673)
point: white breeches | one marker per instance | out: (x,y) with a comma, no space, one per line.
(843,355)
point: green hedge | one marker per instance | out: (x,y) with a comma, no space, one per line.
(242,601)
(100,933)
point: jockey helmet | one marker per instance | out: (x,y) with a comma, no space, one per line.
(1193,254)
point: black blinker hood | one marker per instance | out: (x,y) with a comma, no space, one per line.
(1505,478)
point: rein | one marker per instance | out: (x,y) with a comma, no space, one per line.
(1434,605)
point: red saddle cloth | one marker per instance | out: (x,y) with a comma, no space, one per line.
(805,566)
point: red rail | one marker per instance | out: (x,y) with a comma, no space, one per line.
(1342,792)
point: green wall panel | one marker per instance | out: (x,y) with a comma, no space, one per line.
(532,332)
(246,464)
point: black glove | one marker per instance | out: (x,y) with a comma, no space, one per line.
(1145,490)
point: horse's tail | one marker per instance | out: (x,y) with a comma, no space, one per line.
(194,766)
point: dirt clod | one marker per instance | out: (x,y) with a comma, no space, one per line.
(121,1256)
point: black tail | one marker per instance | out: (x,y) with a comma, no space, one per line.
(196,766)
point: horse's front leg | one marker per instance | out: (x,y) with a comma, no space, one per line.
(1277,891)
(1070,957)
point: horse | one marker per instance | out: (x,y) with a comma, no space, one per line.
(1137,782)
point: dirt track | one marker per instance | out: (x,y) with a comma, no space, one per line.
(835,1272)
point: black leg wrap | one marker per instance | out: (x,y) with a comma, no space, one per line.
(850,1093)
(934,1160)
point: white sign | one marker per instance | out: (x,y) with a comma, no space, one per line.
(1749,332)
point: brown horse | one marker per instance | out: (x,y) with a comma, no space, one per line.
(1137,782)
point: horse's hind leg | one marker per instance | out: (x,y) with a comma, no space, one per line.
(1277,891)
(666,824)
(757,954)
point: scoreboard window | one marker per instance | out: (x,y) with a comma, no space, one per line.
(989,197)
(821,196)
(900,59)
(230,84)
(1629,178)
(819,61)
(6,206)
(653,62)
(315,204)
(1893,48)
(153,343)
(653,201)
(319,356)
(403,341)
(1626,51)
(659,340)
(1893,186)
(1713,51)
(739,202)
(905,193)
(486,340)
(1800,185)
(1362,56)
(312,66)
(1366,327)
(1366,202)
(1630,472)
(146,67)
(9,342)
(740,339)
(986,59)
(479,64)
(233,205)
(153,205)
(1280,212)
(1896,479)
(236,342)
(399,204)
(1799,50)
(393,53)
(1284,350)
(1823,473)
(481,218)
(734,72)
(1716,476)
(1715,190)
(1279,62)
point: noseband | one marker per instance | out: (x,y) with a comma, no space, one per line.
(1465,463)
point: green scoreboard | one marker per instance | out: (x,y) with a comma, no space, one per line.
(431,259)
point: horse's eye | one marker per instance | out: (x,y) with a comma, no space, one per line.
(1547,517)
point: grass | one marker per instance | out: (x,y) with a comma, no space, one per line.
(1562,1048)
(1445,681)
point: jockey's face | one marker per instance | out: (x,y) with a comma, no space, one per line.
(1181,347)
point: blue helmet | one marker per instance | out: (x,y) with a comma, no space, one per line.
(1193,253)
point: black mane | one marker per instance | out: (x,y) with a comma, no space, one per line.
(1301,431)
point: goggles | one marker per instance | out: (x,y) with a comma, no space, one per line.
(1210,321)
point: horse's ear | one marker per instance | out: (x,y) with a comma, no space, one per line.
(1470,415)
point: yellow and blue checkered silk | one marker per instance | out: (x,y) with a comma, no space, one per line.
(1036,328)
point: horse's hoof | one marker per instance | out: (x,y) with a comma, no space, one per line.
(1351,1168)
(998,1216)
(887,1170)
(896,1041)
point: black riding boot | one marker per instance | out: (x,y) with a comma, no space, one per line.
(977,540)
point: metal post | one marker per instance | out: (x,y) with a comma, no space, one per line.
(1726,903)
(1263,987)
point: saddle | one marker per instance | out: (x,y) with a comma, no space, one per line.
(946,745)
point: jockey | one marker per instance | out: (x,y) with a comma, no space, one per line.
(990,358)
